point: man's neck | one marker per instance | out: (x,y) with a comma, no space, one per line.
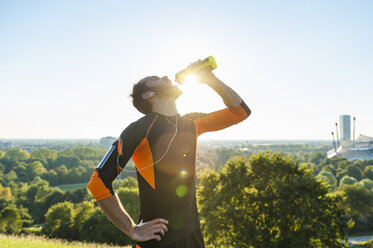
(166,108)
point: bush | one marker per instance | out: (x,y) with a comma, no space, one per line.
(347,180)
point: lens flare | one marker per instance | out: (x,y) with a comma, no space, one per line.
(183,173)
(181,190)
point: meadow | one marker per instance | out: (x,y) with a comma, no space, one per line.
(14,241)
(71,187)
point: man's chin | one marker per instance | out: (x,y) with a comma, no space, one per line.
(178,93)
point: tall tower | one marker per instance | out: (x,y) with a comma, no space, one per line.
(345,127)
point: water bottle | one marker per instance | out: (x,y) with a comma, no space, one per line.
(208,63)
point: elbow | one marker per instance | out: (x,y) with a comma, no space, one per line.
(246,109)
(97,187)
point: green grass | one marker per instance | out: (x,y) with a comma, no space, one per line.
(71,187)
(13,241)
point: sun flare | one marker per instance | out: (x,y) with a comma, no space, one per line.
(191,80)
(197,97)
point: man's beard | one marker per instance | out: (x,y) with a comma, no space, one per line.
(167,91)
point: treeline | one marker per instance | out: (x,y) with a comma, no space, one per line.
(76,165)
(260,200)
(216,158)
(56,167)
(355,179)
(69,215)
(68,166)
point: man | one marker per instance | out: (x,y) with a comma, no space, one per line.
(162,145)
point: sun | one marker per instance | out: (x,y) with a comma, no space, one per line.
(191,80)
(197,97)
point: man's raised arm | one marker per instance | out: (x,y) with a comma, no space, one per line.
(230,97)
(236,112)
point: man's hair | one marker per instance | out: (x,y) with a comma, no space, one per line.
(141,104)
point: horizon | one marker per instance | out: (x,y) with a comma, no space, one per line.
(67,68)
(217,142)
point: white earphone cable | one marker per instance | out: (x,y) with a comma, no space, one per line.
(168,147)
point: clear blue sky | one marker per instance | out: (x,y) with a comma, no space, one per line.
(67,67)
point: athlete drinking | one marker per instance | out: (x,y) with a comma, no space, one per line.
(162,145)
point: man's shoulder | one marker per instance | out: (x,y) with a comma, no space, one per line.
(146,119)
(194,115)
(141,125)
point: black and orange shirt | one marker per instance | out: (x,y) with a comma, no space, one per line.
(167,188)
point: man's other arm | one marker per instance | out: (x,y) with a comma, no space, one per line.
(102,190)
(113,209)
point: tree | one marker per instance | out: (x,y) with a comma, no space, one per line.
(52,177)
(354,171)
(10,220)
(62,173)
(317,157)
(5,192)
(44,155)
(34,197)
(129,182)
(224,154)
(74,175)
(269,202)
(368,172)
(359,200)
(16,154)
(335,163)
(34,169)
(20,169)
(9,177)
(130,200)
(328,177)
(76,196)
(347,180)
(89,153)
(366,183)
(59,220)
(82,212)
(68,161)
(98,228)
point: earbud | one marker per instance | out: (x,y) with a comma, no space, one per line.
(155,93)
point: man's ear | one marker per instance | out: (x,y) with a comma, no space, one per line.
(148,94)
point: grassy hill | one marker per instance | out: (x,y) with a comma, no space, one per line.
(72,187)
(13,241)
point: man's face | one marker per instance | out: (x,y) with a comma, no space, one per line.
(163,87)
(156,81)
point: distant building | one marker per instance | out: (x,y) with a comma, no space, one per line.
(359,149)
(107,141)
(6,144)
(345,127)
